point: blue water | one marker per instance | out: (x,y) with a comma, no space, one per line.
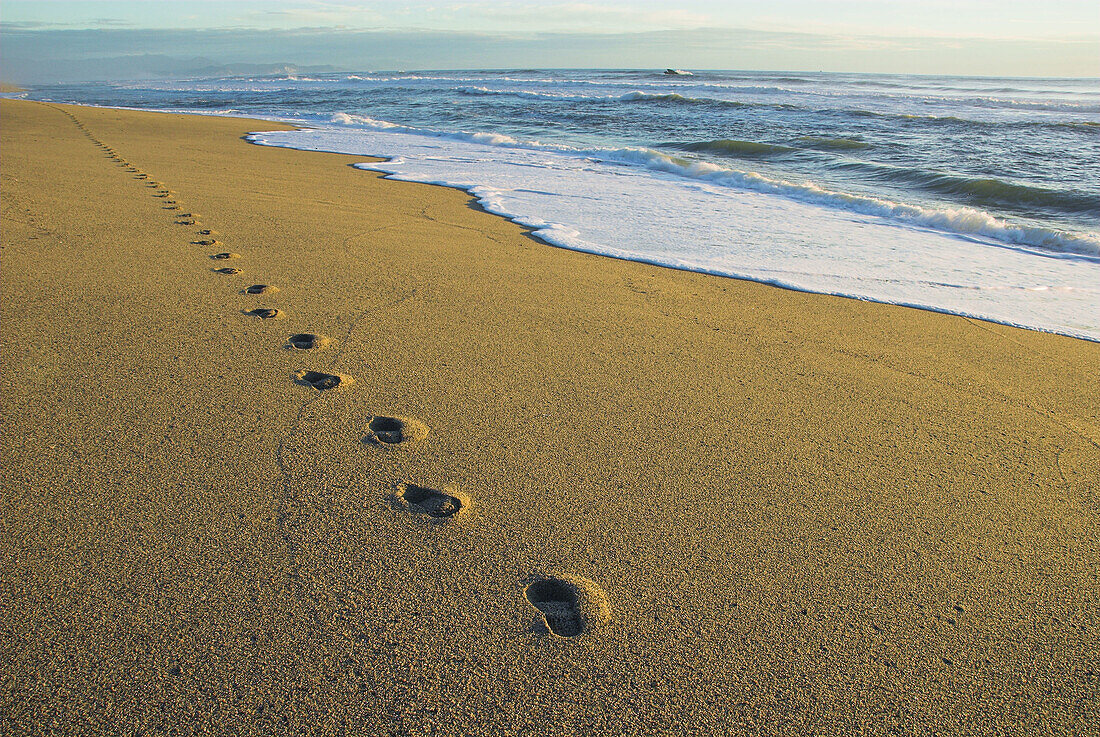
(985,188)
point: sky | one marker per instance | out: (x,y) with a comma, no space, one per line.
(984,37)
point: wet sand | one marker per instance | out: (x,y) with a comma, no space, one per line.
(623,500)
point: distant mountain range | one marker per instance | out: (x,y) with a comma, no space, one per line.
(138,67)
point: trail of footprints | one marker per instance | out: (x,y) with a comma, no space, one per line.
(569,605)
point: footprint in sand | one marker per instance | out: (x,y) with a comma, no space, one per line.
(207,231)
(260,289)
(187,221)
(322,381)
(394,431)
(224,256)
(265,313)
(307,341)
(227,270)
(439,504)
(570,605)
(207,242)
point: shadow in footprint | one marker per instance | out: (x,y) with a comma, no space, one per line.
(260,289)
(307,341)
(322,381)
(570,605)
(227,270)
(224,256)
(557,600)
(264,313)
(439,504)
(394,431)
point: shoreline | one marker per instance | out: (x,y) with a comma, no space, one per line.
(777,511)
(919,289)
(1041,321)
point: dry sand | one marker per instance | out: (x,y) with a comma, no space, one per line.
(781,513)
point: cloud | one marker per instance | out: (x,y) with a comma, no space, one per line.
(32,25)
(317,14)
(572,17)
(479,16)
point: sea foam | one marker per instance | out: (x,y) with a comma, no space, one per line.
(961,220)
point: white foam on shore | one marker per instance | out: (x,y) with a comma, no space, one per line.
(964,220)
(634,210)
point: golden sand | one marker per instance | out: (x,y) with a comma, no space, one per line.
(742,510)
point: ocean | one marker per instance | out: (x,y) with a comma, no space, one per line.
(971,196)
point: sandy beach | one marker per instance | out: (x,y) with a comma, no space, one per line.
(552,493)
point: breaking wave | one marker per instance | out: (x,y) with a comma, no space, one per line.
(961,220)
(736,149)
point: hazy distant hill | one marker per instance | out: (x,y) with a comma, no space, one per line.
(136,67)
(258,70)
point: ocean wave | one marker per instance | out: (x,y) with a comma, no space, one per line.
(528,94)
(279,78)
(678,99)
(922,96)
(930,119)
(960,220)
(1001,103)
(673,98)
(765,90)
(735,149)
(488,139)
(982,190)
(948,121)
(964,220)
(823,143)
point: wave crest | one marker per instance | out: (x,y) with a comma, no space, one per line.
(823,143)
(676,98)
(735,149)
(981,191)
